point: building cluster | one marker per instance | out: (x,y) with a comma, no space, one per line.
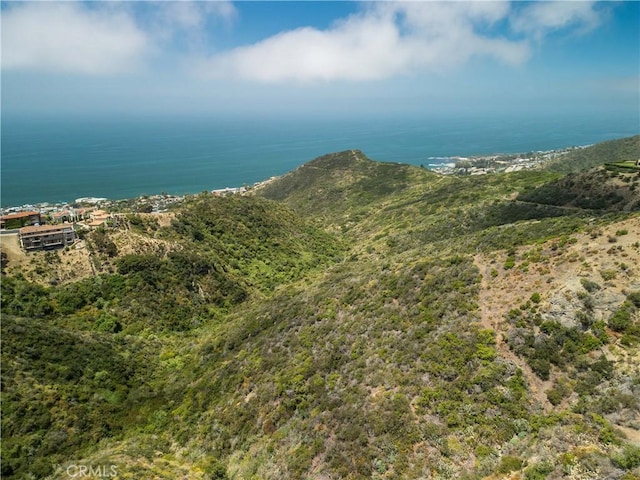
(42,230)
(45,225)
(485,164)
(33,234)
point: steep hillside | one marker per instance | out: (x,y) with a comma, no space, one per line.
(621,150)
(594,189)
(217,253)
(367,320)
(64,389)
(573,287)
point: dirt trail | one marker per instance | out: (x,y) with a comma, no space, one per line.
(492,311)
(554,270)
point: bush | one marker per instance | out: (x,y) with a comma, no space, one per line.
(539,471)
(509,263)
(634,298)
(509,463)
(541,367)
(608,275)
(589,285)
(215,471)
(628,459)
(559,391)
(621,320)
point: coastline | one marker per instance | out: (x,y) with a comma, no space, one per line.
(445,165)
(158,203)
(60,159)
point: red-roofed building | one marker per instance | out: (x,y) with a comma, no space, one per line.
(20,219)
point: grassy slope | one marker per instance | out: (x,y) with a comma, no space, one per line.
(594,189)
(374,363)
(625,149)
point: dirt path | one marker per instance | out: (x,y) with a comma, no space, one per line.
(492,311)
(10,245)
(554,270)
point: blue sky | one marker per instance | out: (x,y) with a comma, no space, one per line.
(348,58)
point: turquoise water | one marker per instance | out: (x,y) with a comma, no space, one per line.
(55,160)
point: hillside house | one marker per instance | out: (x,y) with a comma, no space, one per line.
(20,219)
(46,236)
(62,216)
(72,215)
(98,218)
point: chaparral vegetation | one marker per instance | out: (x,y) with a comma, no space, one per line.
(352,319)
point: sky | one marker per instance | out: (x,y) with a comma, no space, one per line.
(257,59)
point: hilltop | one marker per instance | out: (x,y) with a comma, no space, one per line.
(350,319)
(342,182)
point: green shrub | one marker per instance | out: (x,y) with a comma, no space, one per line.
(560,390)
(628,459)
(509,463)
(589,285)
(215,471)
(608,275)
(634,298)
(585,319)
(483,451)
(621,320)
(587,301)
(541,367)
(538,471)
(629,340)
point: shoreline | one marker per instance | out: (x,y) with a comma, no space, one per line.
(445,165)
(155,201)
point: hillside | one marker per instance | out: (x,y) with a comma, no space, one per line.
(342,182)
(622,150)
(593,189)
(351,319)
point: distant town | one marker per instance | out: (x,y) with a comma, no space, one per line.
(496,163)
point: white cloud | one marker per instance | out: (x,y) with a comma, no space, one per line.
(67,37)
(385,40)
(357,50)
(169,17)
(540,18)
(99,38)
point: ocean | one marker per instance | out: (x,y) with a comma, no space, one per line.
(58,160)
